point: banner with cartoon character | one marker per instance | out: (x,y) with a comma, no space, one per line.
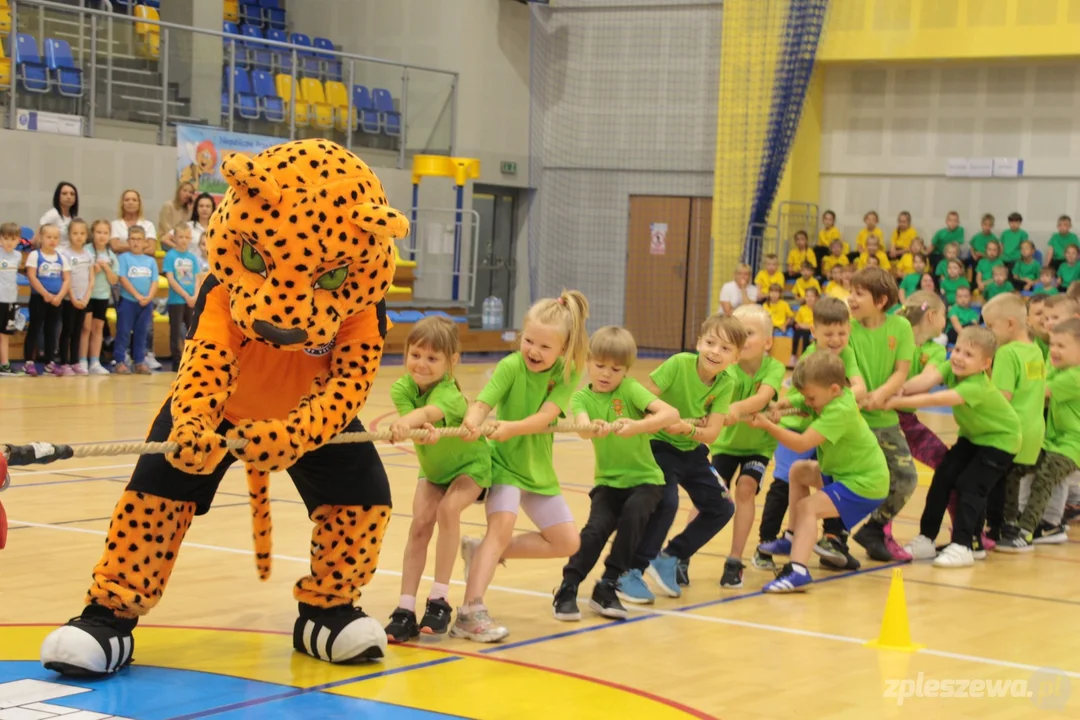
(200,150)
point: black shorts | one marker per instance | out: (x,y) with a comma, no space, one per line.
(98,308)
(345,474)
(748,466)
(7,318)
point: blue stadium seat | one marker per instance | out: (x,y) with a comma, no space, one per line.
(66,74)
(258,55)
(365,109)
(282,57)
(309,63)
(389,117)
(151,3)
(231,28)
(460,319)
(32,73)
(273,15)
(410,316)
(391,315)
(273,107)
(247,105)
(331,65)
(251,13)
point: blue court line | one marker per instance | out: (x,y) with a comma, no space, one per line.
(1003,593)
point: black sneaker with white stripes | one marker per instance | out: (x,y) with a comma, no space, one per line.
(95,644)
(343,634)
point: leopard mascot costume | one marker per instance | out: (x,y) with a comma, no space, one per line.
(286,340)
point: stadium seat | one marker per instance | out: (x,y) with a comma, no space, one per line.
(388,116)
(258,55)
(148,37)
(331,65)
(309,62)
(251,13)
(323,113)
(281,56)
(369,117)
(233,38)
(338,97)
(31,71)
(247,105)
(231,11)
(65,73)
(273,15)
(284,85)
(410,316)
(460,319)
(5,70)
(5,18)
(273,108)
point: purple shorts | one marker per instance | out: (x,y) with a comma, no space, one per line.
(543,510)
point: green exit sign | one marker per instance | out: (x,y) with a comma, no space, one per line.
(509,168)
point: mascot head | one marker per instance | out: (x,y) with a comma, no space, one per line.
(302,240)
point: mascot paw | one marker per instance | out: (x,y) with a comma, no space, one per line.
(93,645)
(201,450)
(272,445)
(338,635)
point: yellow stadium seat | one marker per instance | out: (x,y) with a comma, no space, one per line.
(338,97)
(5,70)
(399,261)
(148,36)
(231,10)
(323,113)
(284,85)
(5,18)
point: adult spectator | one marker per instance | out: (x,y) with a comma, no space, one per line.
(738,292)
(65,206)
(174,212)
(130,213)
(200,217)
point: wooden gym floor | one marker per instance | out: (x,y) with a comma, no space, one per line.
(1007,627)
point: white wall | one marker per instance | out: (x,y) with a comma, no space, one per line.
(888,132)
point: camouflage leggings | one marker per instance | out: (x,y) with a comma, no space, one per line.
(1051,470)
(903,477)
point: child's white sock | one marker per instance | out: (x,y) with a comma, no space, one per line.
(408,602)
(439,591)
(799,569)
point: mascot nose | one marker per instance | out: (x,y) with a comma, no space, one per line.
(279,336)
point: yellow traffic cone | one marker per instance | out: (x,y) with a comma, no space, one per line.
(895,632)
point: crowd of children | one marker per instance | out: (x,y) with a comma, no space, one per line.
(72,285)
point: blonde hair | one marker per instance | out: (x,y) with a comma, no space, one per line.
(10,229)
(49,226)
(568,312)
(1071,305)
(821,369)
(982,338)
(755,312)
(120,207)
(831,311)
(1006,306)
(615,344)
(438,333)
(918,304)
(1070,327)
(725,327)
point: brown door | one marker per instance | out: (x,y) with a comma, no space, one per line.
(656,271)
(697,279)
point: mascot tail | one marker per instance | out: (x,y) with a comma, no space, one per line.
(259,495)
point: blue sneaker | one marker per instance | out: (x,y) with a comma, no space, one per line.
(789,580)
(632,589)
(780,546)
(662,569)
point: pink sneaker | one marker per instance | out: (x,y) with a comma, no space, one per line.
(79,370)
(894,547)
(51,369)
(65,370)
(30,369)
(988,542)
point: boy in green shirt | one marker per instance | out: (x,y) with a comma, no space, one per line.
(629,483)
(1048,282)
(741,453)
(850,473)
(1012,238)
(955,279)
(961,314)
(999,284)
(884,347)
(984,270)
(989,437)
(1069,271)
(699,387)
(951,234)
(1061,447)
(1025,273)
(981,239)
(941,268)
(1060,240)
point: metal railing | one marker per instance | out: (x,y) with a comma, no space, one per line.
(159,73)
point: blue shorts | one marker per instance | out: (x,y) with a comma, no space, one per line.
(851,506)
(785,457)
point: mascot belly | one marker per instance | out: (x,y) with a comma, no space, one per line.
(286,341)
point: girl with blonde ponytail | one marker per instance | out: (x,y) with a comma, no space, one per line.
(529,390)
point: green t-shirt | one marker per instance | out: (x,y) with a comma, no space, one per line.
(942,269)
(949,286)
(1063,420)
(1059,242)
(451,457)
(877,352)
(620,462)
(679,384)
(966,315)
(929,353)
(851,453)
(1019,369)
(740,438)
(986,418)
(1010,244)
(985,267)
(1041,289)
(516,393)
(1068,274)
(910,283)
(799,424)
(980,240)
(1044,348)
(992,290)
(1027,270)
(944,236)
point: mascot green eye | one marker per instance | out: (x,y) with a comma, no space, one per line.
(252,260)
(332,280)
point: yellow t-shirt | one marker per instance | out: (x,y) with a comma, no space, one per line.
(905,265)
(805,316)
(902,240)
(802,284)
(829,261)
(781,313)
(796,257)
(764,281)
(838,291)
(825,238)
(883,259)
(860,241)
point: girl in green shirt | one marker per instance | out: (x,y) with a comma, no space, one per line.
(926,313)
(453,473)
(1025,273)
(529,390)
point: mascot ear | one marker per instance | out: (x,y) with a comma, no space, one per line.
(250,178)
(380,220)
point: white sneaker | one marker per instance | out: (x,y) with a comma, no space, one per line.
(97,369)
(954,556)
(921,548)
(84,365)
(152,362)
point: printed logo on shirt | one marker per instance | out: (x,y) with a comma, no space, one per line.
(551,386)
(617,407)
(709,401)
(48,268)
(1035,370)
(9,265)
(139,271)
(184,270)
(923,359)
(892,342)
